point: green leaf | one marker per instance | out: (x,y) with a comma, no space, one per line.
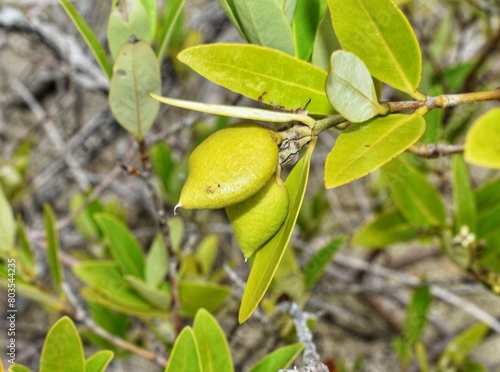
(113,322)
(264,23)
(185,355)
(324,43)
(164,167)
(150,7)
(62,350)
(156,297)
(416,315)
(8,225)
(278,359)
(18,368)
(350,88)
(124,248)
(382,38)
(84,221)
(53,248)
(230,10)
(315,267)
(253,70)
(173,10)
(136,73)
(364,147)
(99,361)
(481,142)
(89,37)
(387,228)
(306,20)
(156,265)
(488,195)
(214,350)
(268,257)
(417,199)
(195,295)
(463,196)
(176,230)
(35,294)
(459,348)
(487,224)
(27,260)
(206,253)
(239,112)
(127,18)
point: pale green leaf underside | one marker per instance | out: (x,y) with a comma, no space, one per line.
(253,70)
(364,147)
(248,113)
(482,141)
(350,88)
(268,258)
(382,38)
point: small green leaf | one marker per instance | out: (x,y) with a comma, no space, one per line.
(387,228)
(249,113)
(8,225)
(481,142)
(155,296)
(278,359)
(253,70)
(156,264)
(89,37)
(364,147)
(124,248)
(306,19)
(487,225)
(176,229)
(171,14)
(264,23)
(214,350)
(53,248)
(350,88)
(164,167)
(99,361)
(206,252)
(382,38)
(150,7)
(136,73)
(185,356)
(35,294)
(459,348)
(314,268)
(84,221)
(324,43)
(488,195)
(230,10)
(195,295)
(267,258)
(127,18)
(62,350)
(463,196)
(417,199)
(27,260)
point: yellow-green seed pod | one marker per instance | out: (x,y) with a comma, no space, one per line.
(230,166)
(258,218)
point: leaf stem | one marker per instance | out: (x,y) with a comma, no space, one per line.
(327,123)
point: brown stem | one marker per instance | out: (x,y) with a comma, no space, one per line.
(433,150)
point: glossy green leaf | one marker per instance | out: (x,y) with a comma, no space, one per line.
(127,18)
(185,356)
(488,195)
(278,359)
(8,225)
(156,264)
(324,43)
(195,295)
(173,10)
(62,349)
(214,350)
(124,248)
(317,264)
(89,37)
(17,368)
(417,199)
(267,258)
(306,19)
(206,253)
(364,147)
(382,38)
(249,113)
(481,142)
(53,248)
(99,361)
(155,296)
(253,70)
(459,348)
(387,228)
(176,230)
(264,23)
(350,88)
(463,196)
(136,74)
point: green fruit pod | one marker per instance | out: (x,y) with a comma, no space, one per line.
(258,218)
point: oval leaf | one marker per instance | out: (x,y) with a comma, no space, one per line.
(364,147)
(99,361)
(214,351)
(156,263)
(278,359)
(268,258)
(62,350)
(463,196)
(136,73)
(382,38)
(259,72)
(350,88)
(53,248)
(194,295)
(156,297)
(481,142)
(185,355)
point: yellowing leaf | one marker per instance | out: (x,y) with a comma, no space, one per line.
(482,141)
